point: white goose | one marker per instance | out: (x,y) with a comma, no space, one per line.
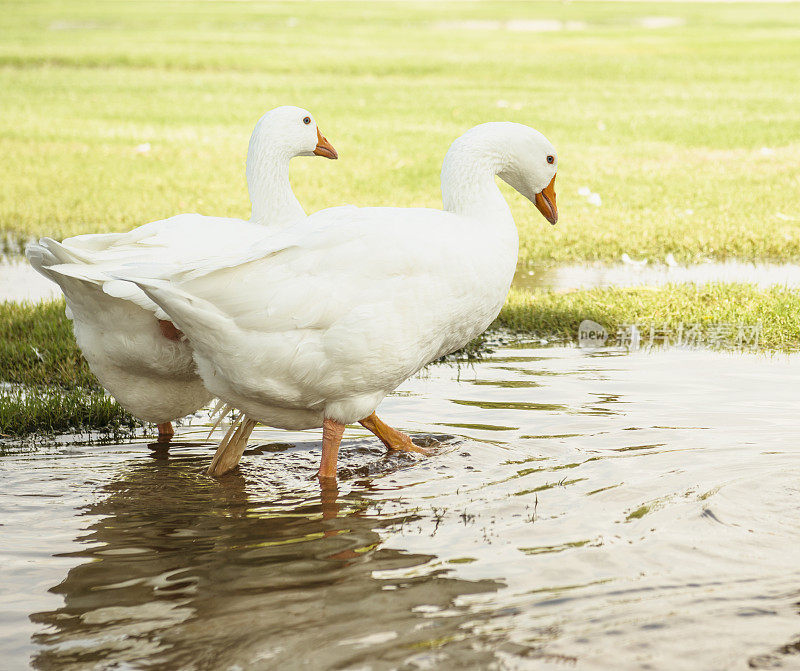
(314,326)
(136,354)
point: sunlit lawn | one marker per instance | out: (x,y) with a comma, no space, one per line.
(688,131)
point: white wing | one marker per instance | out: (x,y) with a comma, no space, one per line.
(180,242)
(349,293)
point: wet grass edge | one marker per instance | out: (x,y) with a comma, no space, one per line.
(557,315)
(46,385)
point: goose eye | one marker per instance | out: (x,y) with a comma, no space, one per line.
(307,120)
(551,159)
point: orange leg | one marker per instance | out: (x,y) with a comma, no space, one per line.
(331,438)
(392,438)
(165,432)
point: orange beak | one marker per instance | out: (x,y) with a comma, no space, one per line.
(324,148)
(546,202)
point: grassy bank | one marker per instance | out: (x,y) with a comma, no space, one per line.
(47,411)
(37,348)
(682,117)
(47,386)
(665,308)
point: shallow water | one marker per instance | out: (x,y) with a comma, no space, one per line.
(589,510)
(19,282)
(571,276)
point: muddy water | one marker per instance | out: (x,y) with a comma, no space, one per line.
(582,510)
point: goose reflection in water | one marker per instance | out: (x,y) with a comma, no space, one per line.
(182,571)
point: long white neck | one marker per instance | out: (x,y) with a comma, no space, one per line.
(468,178)
(271,195)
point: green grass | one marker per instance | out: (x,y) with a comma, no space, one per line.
(37,348)
(666,124)
(560,314)
(26,411)
(48,385)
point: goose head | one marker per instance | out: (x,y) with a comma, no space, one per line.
(529,166)
(521,156)
(290,131)
(279,136)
